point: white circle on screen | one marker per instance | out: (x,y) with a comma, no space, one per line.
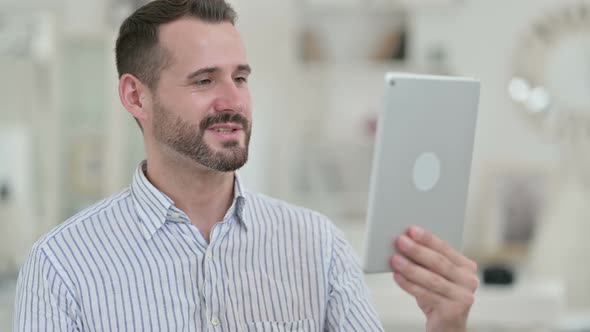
(426,171)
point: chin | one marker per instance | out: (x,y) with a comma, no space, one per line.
(231,144)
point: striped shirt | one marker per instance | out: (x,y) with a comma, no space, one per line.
(135,262)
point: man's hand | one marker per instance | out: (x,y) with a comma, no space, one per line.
(442,280)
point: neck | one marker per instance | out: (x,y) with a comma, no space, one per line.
(203,194)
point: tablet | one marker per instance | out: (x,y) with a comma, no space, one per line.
(421,163)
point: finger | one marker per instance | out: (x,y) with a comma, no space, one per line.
(421,294)
(430,240)
(430,281)
(437,263)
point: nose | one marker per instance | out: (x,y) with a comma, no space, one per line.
(230,99)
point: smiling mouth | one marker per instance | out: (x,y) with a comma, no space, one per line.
(225,130)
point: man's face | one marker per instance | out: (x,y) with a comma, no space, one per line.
(202,106)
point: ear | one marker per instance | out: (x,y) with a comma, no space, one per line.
(135,96)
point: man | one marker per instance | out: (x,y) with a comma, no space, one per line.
(186,247)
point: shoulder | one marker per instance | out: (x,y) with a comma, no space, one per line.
(85,221)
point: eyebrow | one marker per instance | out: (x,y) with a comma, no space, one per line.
(209,70)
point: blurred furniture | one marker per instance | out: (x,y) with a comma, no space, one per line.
(550,84)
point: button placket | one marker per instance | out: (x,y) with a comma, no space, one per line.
(213,304)
(210,286)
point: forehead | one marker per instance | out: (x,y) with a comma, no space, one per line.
(194,44)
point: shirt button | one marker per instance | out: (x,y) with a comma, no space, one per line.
(175,215)
(209,255)
(215,321)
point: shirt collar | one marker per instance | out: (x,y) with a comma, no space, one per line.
(153,206)
(240,201)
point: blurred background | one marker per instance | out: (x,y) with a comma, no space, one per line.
(66,142)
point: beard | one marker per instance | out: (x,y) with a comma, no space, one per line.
(188,139)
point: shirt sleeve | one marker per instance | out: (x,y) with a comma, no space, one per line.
(349,305)
(43,301)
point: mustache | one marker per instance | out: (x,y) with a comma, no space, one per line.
(224,118)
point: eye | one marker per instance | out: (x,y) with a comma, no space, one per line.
(241,79)
(203,82)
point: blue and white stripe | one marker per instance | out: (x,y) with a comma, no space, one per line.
(134,262)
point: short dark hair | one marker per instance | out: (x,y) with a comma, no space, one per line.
(138,51)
